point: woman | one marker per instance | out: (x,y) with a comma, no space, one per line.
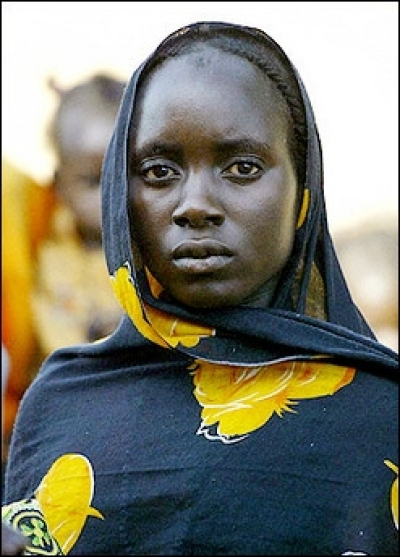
(243,406)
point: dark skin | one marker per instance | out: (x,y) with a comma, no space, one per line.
(77,182)
(213,182)
(78,173)
(12,541)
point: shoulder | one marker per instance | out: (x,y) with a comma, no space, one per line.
(73,369)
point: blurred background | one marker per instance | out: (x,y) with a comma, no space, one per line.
(346,53)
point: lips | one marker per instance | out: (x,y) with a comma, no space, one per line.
(200,249)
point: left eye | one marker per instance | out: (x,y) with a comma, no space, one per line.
(244,168)
(91,182)
(159,172)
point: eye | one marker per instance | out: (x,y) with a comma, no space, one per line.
(243,169)
(90,181)
(158,173)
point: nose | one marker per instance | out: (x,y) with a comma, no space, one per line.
(199,205)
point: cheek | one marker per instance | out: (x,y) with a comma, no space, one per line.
(89,204)
(272,227)
(92,196)
(150,207)
(147,222)
(81,195)
(274,204)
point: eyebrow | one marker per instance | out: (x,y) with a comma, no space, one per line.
(243,145)
(226,146)
(153,149)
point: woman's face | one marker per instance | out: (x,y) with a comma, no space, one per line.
(213,187)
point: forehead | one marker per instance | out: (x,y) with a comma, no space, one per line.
(87,132)
(208,76)
(212,61)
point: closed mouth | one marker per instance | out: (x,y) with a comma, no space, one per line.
(200,249)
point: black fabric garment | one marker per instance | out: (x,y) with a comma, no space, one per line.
(217,432)
(310,482)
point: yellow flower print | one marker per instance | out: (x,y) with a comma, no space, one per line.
(125,292)
(64,495)
(242,399)
(155,325)
(54,518)
(304,208)
(394,493)
(155,286)
(176,331)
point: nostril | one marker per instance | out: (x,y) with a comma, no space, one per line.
(198,220)
(181,221)
(216,219)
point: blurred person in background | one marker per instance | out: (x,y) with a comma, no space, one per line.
(368,253)
(55,289)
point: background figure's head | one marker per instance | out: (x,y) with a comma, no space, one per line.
(79,134)
(218,164)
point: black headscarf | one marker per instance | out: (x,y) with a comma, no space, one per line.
(312,314)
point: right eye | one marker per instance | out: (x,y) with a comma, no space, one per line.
(158,172)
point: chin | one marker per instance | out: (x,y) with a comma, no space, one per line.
(204,300)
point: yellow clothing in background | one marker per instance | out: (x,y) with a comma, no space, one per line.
(25,217)
(54,290)
(72,291)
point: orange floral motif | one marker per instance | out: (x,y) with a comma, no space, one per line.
(154,324)
(242,399)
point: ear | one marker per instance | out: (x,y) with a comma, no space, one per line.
(56,177)
(57,185)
